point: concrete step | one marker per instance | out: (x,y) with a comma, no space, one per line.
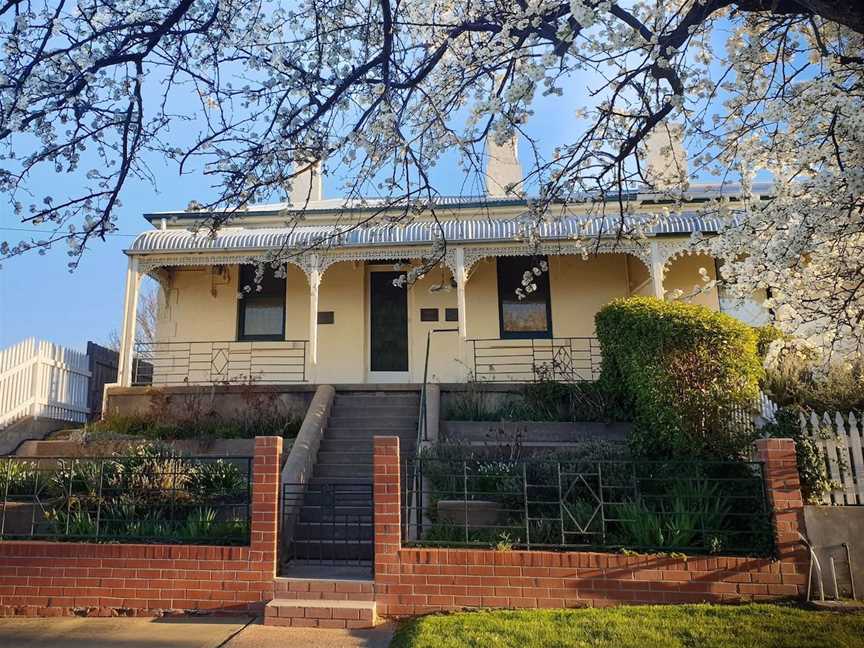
(328,472)
(338,516)
(359,483)
(318,613)
(368,433)
(340,530)
(369,422)
(375,409)
(331,550)
(377,403)
(382,396)
(346,455)
(357,445)
(380,404)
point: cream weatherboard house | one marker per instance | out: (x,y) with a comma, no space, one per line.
(336,317)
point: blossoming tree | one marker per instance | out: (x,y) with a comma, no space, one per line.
(384,88)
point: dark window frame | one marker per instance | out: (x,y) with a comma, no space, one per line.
(543,279)
(245,277)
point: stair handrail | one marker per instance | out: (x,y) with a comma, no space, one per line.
(422,432)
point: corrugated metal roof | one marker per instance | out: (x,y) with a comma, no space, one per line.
(415,233)
(696,192)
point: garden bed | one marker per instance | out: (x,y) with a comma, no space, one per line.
(531,432)
(706,626)
(590,495)
(98,447)
(149,494)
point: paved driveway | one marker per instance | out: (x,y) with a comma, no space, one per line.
(200,632)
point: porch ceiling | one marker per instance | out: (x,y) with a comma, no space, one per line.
(416,233)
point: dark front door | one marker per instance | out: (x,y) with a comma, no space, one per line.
(388,312)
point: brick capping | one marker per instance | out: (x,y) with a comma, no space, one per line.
(411,581)
(64,578)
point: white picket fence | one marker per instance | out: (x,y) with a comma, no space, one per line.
(767,408)
(840,437)
(42,379)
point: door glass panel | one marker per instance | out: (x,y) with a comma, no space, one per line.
(389,323)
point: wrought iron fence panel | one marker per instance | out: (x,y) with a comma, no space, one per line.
(694,507)
(146,497)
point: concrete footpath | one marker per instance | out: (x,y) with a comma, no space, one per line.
(178,632)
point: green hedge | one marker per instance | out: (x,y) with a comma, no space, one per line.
(689,373)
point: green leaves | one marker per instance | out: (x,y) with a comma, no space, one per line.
(690,374)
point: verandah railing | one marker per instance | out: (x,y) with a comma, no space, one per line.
(566,359)
(144,497)
(694,507)
(178,363)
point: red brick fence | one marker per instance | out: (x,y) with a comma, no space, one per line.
(63,578)
(59,578)
(416,581)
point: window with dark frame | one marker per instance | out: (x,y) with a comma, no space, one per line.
(428,314)
(530,317)
(451,314)
(261,313)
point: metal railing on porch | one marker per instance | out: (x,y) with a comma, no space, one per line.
(179,363)
(528,360)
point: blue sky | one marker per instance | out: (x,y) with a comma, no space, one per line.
(40,298)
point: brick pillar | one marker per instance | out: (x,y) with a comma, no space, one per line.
(265,504)
(387,514)
(784,493)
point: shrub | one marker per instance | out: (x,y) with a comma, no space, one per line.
(686,371)
(765,335)
(472,404)
(217,478)
(211,426)
(797,378)
(194,415)
(21,478)
(677,519)
(148,493)
(543,400)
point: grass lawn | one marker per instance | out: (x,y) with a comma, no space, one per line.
(696,626)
